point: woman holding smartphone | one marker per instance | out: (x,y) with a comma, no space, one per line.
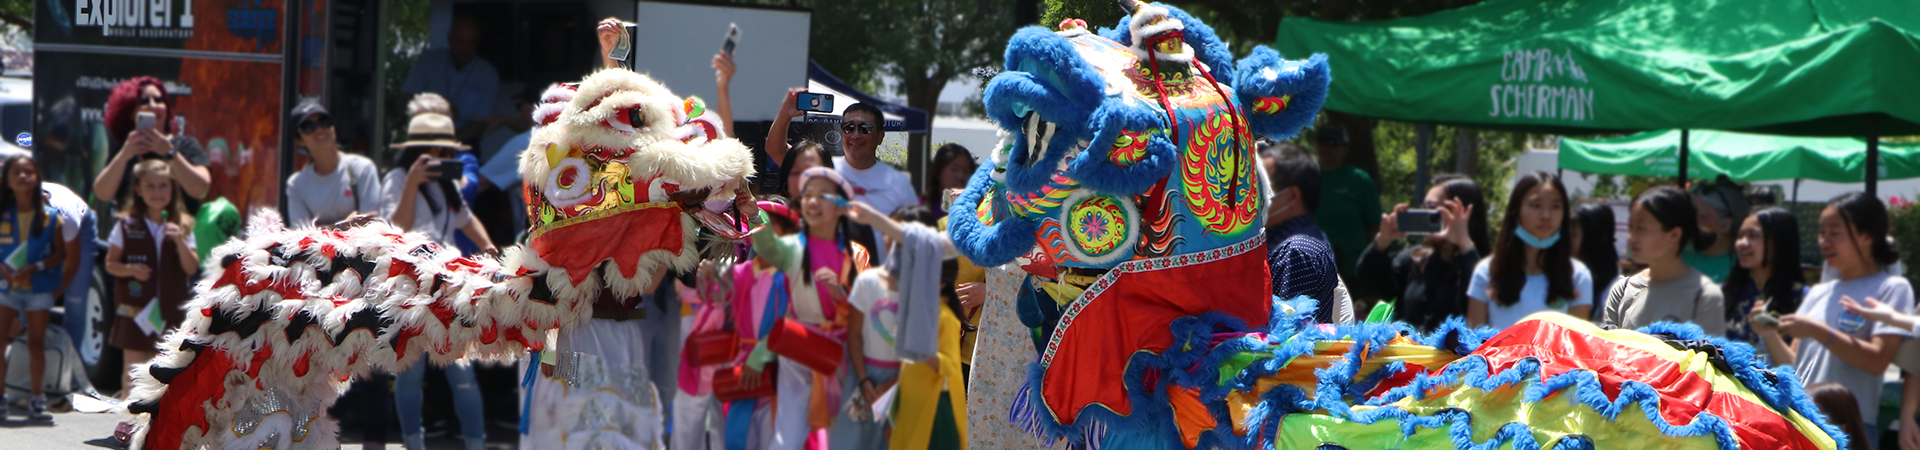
(422,198)
(139,120)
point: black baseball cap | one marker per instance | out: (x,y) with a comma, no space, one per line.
(307,108)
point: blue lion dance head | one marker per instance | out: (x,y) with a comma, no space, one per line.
(1129,144)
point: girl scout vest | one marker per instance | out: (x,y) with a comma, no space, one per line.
(168,281)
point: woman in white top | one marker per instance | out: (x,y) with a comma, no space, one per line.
(335,185)
(423,199)
(1532,268)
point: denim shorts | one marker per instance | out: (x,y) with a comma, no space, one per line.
(24,301)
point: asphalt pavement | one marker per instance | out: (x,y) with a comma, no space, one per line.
(78,431)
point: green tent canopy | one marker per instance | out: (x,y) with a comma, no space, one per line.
(1798,67)
(1741,156)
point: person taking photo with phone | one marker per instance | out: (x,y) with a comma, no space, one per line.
(422,198)
(878,185)
(139,120)
(1429,278)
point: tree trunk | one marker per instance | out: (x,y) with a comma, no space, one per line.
(1360,149)
(923,93)
(1466,151)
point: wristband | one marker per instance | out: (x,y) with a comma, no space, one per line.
(1829,343)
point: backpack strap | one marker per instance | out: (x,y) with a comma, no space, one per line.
(355,187)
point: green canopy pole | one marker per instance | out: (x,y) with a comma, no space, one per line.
(1796,190)
(1873,155)
(1684,138)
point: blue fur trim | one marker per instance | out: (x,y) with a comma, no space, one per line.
(1010,97)
(988,246)
(1044,74)
(1306,81)
(1038,50)
(1190,363)
(1095,168)
(1784,392)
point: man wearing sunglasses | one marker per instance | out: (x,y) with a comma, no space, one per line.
(878,185)
(334,185)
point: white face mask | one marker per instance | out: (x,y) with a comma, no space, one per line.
(1273,212)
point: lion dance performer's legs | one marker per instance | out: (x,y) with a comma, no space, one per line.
(790,426)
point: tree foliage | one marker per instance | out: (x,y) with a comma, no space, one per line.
(923,44)
(18,13)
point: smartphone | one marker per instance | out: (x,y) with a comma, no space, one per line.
(1418,221)
(1765,318)
(443,169)
(808,101)
(733,36)
(145,120)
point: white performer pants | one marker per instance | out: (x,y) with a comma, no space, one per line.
(697,423)
(567,412)
(790,420)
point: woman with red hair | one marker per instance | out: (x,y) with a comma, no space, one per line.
(132,143)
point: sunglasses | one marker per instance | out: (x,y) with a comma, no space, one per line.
(310,126)
(849,127)
(836,199)
(153,100)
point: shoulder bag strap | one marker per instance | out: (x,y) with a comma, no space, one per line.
(776,304)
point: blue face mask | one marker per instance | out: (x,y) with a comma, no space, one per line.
(1538,243)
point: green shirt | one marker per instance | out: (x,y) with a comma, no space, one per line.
(1349,205)
(216,221)
(1715,268)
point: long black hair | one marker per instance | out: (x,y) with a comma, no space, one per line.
(1510,255)
(1673,208)
(1596,224)
(1866,214)
(40,220)
(1780,231)
(948,154)
(449,190)
(786,166)
(1462,189)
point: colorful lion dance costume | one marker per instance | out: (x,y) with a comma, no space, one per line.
(616,181)
(1128,192)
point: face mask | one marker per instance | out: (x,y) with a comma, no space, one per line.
(1538,243)
(1278,211)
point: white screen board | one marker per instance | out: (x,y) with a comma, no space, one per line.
(678,41)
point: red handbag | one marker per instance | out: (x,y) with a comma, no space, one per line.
(726,383)
(805,345)
(713,348)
